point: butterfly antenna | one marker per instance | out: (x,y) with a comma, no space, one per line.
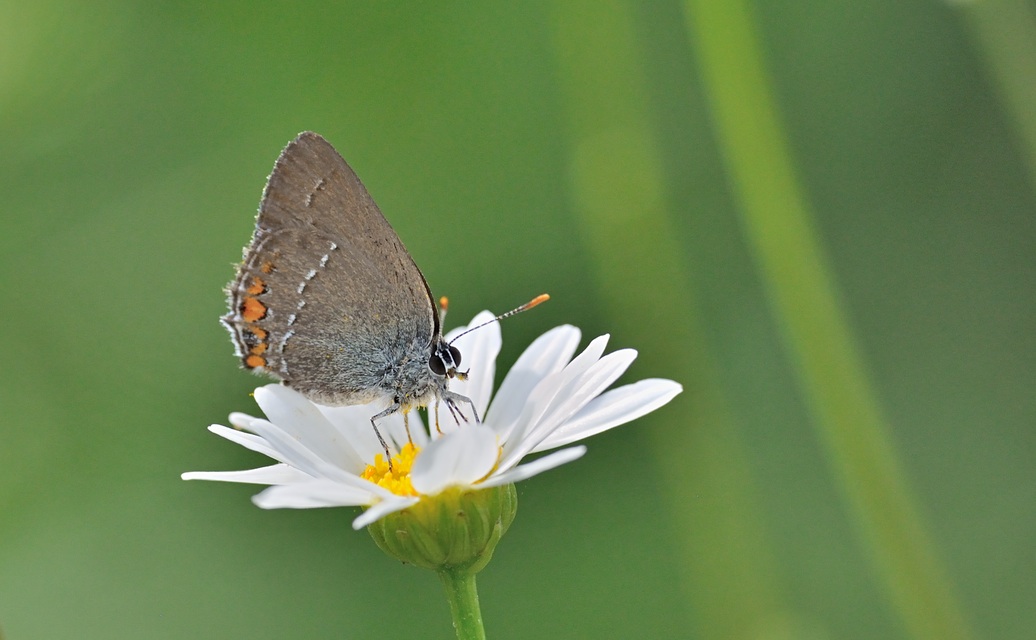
(525,307)
(444,303)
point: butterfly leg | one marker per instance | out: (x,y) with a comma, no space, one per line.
(406,425)
(451,403)
(374,423)
(437,429)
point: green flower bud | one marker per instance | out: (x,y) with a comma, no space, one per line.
(457,529)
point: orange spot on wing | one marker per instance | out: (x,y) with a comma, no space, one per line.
(257,287)
(267,268)
(252,310)
(260,334)
(255,362)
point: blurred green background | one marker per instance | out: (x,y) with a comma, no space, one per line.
(817,216)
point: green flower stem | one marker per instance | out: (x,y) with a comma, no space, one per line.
(463,597)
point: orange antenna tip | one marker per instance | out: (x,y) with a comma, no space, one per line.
(543,297)
(444,302)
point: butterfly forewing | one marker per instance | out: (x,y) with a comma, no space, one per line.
(323,257)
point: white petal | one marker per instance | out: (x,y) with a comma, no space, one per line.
(273,474)
(479,350)
(569,399)
(546,356)
(611,409)
(537,466)
(382,509)
(393,428)
(247,440)
(354,423)
(311,495)
(396,425)
(591,383)
(291,451)
(543,396)
(298,456)
(302,420)
(241,420)
(458,459)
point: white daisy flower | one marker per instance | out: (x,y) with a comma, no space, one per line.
(330,456)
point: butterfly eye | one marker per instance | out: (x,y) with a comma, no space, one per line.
(455,354)
(436,364)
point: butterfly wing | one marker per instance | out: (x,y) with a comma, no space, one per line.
(327,298)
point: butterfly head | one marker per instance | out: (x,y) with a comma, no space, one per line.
(444,361)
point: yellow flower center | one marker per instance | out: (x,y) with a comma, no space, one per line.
(396,479)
